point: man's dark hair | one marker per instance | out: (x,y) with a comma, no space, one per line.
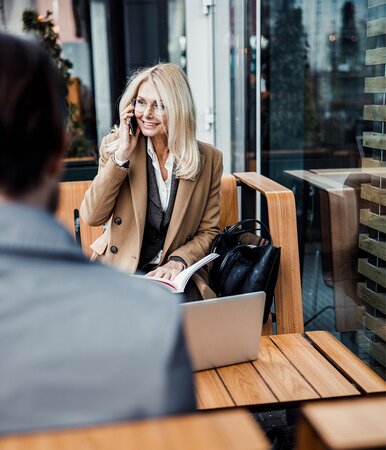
(32,113)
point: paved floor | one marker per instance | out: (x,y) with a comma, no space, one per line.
(280,427)
(318,308)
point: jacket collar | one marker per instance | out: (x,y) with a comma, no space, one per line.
(30,230)
(138,187)
(153,193)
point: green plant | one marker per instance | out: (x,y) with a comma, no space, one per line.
(44,29)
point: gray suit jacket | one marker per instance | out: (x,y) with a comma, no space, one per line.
(81,343)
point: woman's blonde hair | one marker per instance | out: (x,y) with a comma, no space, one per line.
(172,88)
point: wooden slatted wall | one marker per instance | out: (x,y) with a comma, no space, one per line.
(373,242)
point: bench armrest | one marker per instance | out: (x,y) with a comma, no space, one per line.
(260,183)
(283,229)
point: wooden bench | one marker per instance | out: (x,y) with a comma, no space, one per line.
(292,367)
(232,430)
(71,194)
(343,425)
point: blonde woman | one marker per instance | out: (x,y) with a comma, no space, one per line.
(157,187)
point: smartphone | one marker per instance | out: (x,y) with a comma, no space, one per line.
(133,124)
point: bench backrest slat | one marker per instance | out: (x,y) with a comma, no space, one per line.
(71,194)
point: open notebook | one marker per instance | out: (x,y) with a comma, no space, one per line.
(179,283)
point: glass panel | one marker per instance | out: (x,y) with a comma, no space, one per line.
(243,84)
(250,83)
(140,35)
(72,23)
(177,39)
(237,87)
(314,140)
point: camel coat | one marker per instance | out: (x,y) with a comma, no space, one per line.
(118,197)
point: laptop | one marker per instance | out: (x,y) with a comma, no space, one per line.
(223,331)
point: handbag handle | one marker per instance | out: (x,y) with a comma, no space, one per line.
(232,228)
(229,254)
(245,221)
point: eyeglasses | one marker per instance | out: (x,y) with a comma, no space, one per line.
(141,106)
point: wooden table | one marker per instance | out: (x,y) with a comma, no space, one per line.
(229,430)
(344,425)
(291,368)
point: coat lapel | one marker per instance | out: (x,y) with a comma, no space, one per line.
(181,206)
(153,192)
(138,186)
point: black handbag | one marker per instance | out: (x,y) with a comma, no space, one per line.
(247,262)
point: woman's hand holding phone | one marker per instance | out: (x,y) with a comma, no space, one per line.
(127,141)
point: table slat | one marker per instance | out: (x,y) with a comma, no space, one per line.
(246,385)
(210,391)
(321,375)
(353,368)
(226,430)
(345,424)
(280,375)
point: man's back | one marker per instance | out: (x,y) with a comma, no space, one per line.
(79,342)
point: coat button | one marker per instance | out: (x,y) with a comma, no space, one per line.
(114,249)
(189,238)
(118,220)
